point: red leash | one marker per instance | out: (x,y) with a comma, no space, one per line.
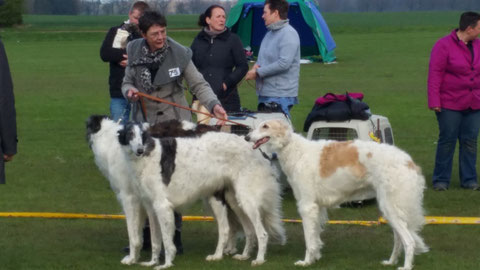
(142,95)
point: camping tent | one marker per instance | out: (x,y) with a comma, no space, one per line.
(245,19)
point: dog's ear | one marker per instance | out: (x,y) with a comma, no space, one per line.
(94,123)
(122,136)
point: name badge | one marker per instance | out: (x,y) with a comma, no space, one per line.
(174,72)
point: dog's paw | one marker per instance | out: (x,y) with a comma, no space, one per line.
(302,263)
(127,260)
(257,262)
(149,263)
(213,257)
(241,257)
(388,262)
(163,266)
(230,251)
(404,268)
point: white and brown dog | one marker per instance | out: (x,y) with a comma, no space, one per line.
(326,173)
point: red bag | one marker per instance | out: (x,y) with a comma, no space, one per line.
(330,97)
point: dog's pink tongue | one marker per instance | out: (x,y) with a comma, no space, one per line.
(260,142)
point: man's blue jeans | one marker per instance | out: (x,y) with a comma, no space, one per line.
(119,108)
(462,126)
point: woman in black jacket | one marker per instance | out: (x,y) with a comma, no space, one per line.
(219,55)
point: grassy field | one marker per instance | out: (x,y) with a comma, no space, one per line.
(60,80)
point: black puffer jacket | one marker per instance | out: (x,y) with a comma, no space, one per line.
(114,56)
(221,60)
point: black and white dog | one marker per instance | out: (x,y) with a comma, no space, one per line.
(102,136)
(174,172)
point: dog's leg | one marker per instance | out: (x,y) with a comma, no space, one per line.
(135,217)
(253,213)
(220,212)
(155,237)
(397,245)
(246,225)
(400,228)
(165,218)
(323,219)
(234,227)
(310,214)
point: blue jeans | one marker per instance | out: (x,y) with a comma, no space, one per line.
(462,126)
(285,102)
(119,108)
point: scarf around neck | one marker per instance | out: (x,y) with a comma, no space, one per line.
(277,25)
(213,33)
(149,63)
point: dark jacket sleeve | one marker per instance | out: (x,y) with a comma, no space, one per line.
(8,126)
(241,64)
(107,52)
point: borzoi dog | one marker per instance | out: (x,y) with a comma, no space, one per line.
(174,172)
(102,135)
(113,163)
(326,173)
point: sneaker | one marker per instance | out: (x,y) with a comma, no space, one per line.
(440,187)
(473,186)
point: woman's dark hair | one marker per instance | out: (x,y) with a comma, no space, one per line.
(202,20)
(149,19)
(467,19)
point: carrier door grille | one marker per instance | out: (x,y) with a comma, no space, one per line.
(334,133)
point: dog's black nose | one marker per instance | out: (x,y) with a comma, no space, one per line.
(140,151)
(247,138)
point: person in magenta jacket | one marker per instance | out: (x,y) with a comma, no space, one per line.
(454,96)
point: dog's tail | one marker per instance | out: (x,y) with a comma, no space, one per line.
(274,226)
(272,215)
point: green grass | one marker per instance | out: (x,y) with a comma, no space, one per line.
(60,80)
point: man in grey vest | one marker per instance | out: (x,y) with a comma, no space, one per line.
(157,65)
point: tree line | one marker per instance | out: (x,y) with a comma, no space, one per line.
(12,10)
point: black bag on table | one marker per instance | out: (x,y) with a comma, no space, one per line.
(337,110)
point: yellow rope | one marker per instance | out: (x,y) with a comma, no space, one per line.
(381,220)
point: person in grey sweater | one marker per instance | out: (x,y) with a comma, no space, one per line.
(277,69)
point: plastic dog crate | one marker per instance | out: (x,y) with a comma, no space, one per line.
(377,128)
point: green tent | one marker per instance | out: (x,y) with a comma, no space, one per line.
(245,19)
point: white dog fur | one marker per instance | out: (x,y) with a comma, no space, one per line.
(112,162)
(326,173)
(198,167)
(102,136)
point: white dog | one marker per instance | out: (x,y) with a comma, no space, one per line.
(175,172)
(326,173)
(102,136)
(112,162)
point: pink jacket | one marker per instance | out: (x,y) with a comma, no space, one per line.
(453,78)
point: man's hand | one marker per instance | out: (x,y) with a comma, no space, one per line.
(219,112)
(132,94)
(436,109)
(124,62)
(252,73)
(7,158)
